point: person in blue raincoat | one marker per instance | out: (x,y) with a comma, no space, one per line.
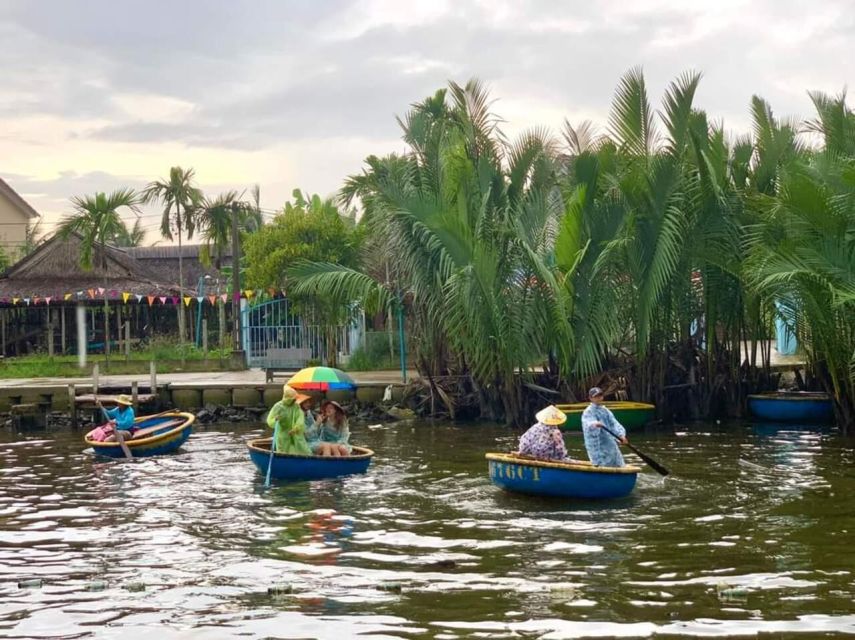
(602,447)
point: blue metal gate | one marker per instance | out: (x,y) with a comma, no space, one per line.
(272,327)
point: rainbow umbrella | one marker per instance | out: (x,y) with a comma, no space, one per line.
(321,379)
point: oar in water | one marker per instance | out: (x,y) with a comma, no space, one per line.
(656,466)
(272,447)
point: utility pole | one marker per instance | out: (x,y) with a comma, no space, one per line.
(238,345)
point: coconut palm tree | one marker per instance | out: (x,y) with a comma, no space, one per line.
(132,237)
(180,199)
(801,250)
(470,221)
(97,221)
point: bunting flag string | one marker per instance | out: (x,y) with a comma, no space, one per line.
(126,296)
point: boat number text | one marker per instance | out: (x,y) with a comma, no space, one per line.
(513,472)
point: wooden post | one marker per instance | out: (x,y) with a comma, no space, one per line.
(119,326)
(205,337)
(62,329)
(95,377)
(135,395)
(152,371)
(3,326)
(72,404)
(221,324)
(128,339)
(50,332)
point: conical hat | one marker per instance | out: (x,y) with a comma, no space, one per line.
(551,415)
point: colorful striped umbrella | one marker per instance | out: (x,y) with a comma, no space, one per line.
(321,379)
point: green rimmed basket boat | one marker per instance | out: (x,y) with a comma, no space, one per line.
(632,415)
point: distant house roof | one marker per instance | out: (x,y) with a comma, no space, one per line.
(17,200)
(54,270)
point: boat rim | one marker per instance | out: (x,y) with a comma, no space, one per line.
(251,444)
(190,418)
(610,404)
(576,465)
(809,396)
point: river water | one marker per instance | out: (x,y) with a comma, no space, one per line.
(752,534)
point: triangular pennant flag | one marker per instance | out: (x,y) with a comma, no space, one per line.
(162,299)
(125,297)
(48,299)
(187,301)
(175,300)
(212,300)
(272,292)
(80,294)
(101,291)
(224,296)
(249,293)
(91,292)
(200,299)
(36,299)
(139,297)
(15,300)
(67,297)
(27,300)
(150,300)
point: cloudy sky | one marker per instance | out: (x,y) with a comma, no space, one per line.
(97,94)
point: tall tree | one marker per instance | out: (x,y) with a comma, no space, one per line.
(308,227)
(180,199)
(97,220)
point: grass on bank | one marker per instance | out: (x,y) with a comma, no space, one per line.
(168,356)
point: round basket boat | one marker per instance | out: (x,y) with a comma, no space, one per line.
(286,466)
(779,406)
(632,415)
(576,479)
(154,435)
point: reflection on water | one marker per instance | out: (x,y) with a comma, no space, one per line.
(752,534)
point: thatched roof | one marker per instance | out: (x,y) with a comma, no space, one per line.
(54,270)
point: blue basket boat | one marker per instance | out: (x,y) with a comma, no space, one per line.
(155,435)
(781,406)
(577,479)
(288,466)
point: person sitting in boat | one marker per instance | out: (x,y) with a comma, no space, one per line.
(601,445)
(121,418)
(544,439)
(329,435)
(288,420)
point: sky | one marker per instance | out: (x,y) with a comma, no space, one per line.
(101,94)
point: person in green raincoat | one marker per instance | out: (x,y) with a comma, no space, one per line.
(287,418)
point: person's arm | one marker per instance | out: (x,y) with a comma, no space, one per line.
(560,447)
(615,426)
(273,414)
(345,433)
(110,414)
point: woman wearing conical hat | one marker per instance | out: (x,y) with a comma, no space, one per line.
(544,440)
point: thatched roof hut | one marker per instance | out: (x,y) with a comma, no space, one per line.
(54,271)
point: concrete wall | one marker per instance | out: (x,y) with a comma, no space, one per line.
(13,230)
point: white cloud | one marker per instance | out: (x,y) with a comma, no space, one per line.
(99,94)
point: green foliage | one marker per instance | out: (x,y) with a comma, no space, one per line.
(97,221)
(307,229)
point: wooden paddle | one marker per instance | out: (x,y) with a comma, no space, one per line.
(272,449)
(656,466)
